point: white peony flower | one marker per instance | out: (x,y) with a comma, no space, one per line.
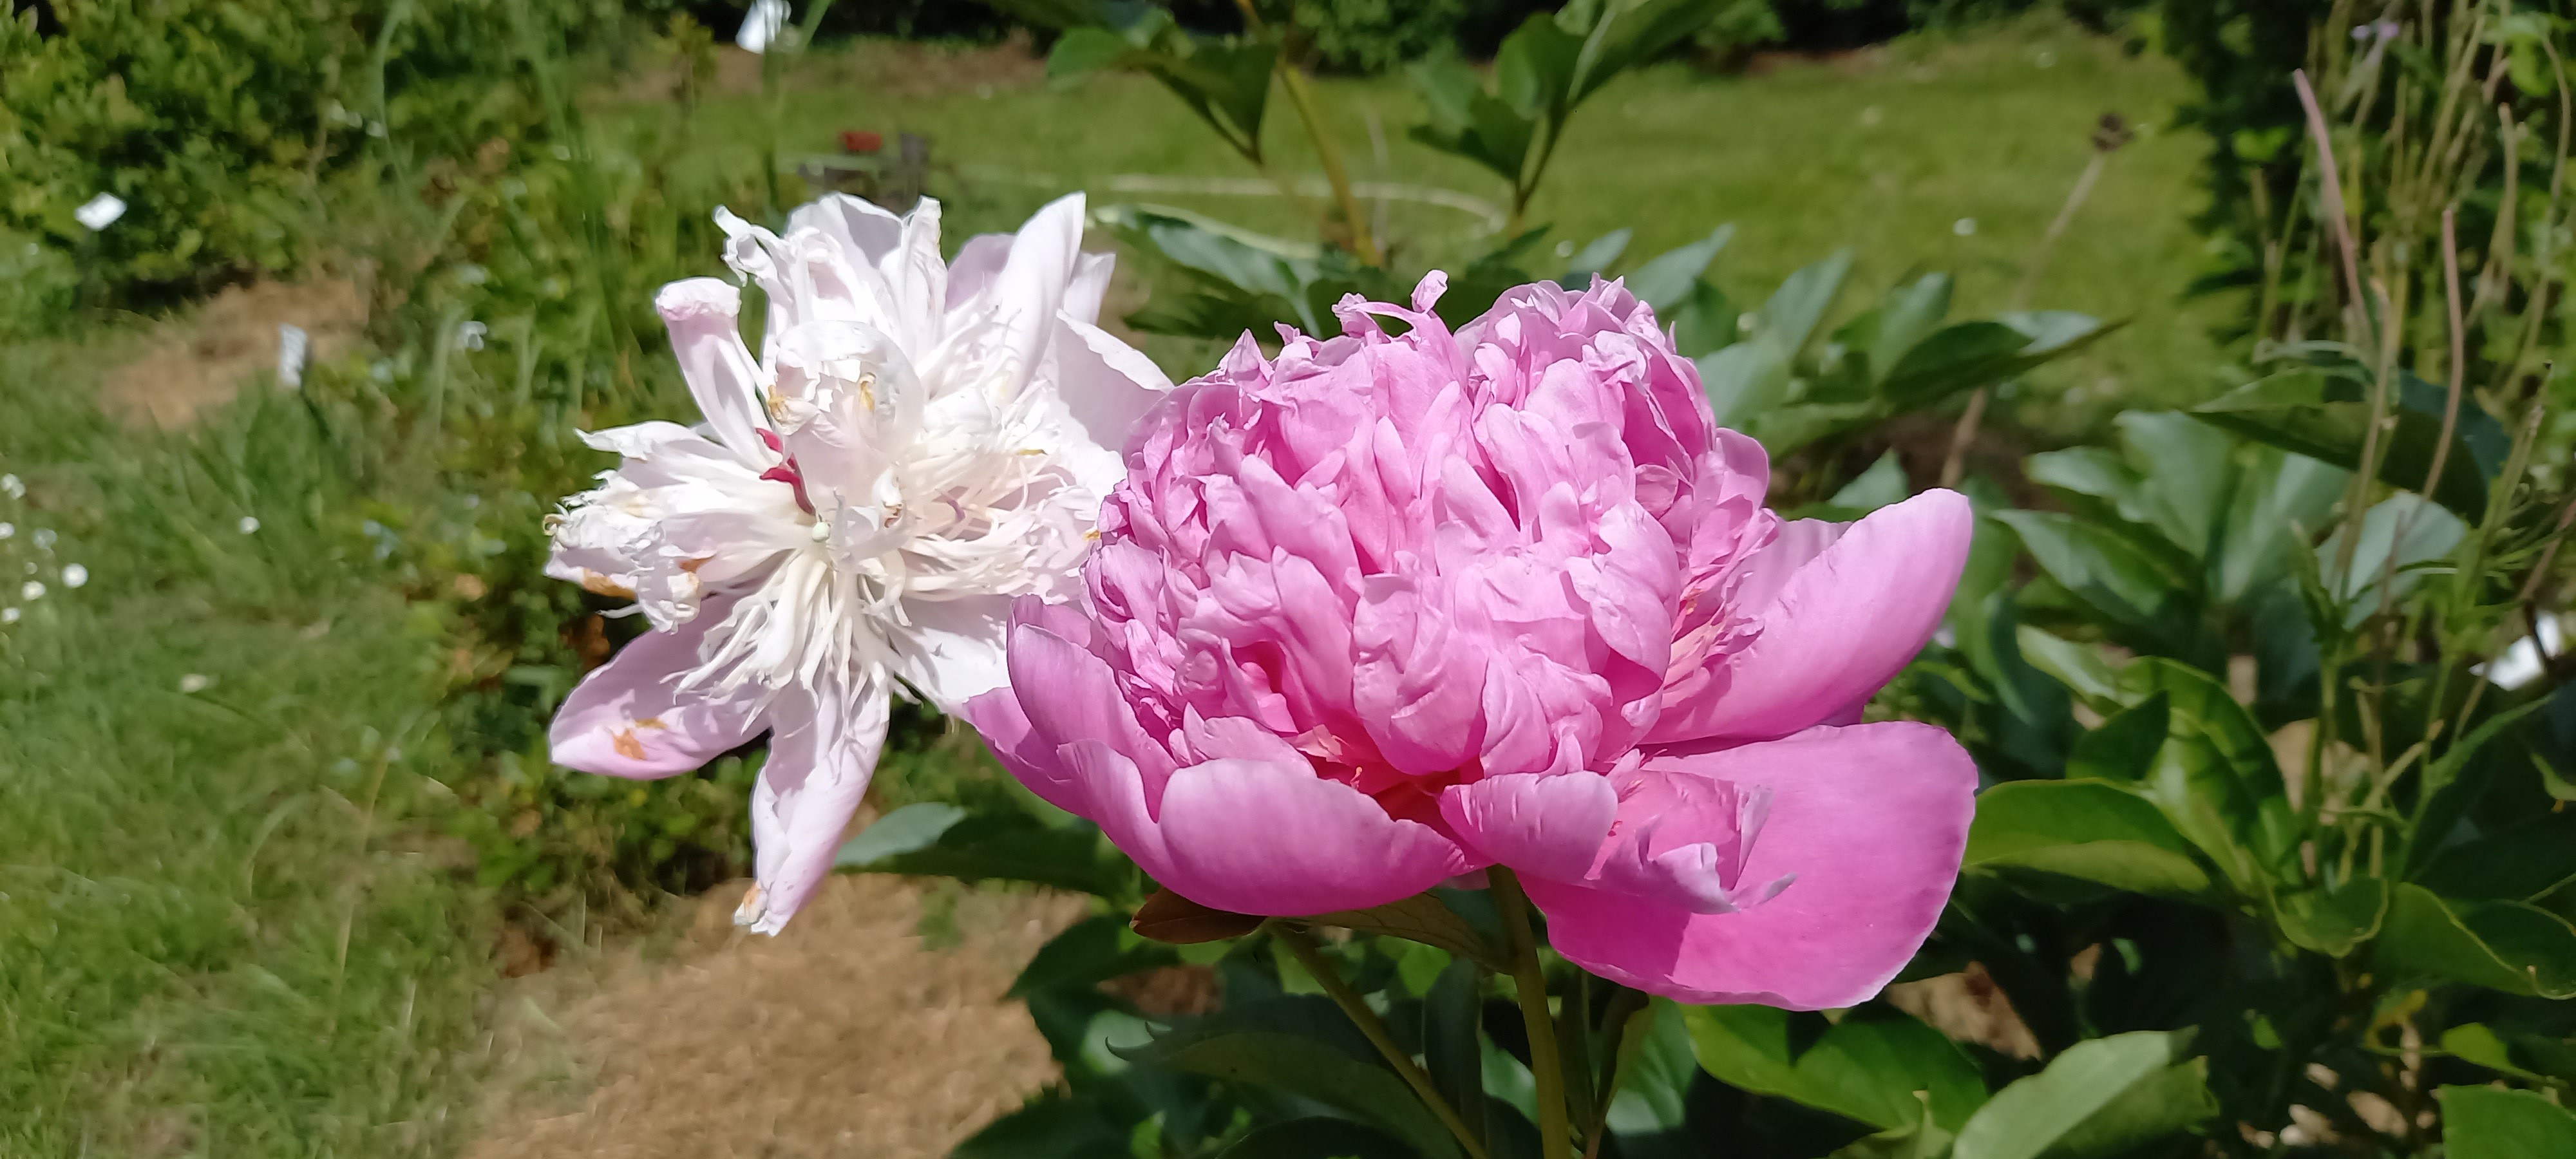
(917,444)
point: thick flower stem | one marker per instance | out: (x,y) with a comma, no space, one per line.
(1555,1134)
(1302,945)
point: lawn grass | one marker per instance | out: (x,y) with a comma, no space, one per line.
(1888,152)
(218,935)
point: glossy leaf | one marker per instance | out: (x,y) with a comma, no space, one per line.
(1468,121)
(2320,408)
(2080,667)
(1883,484)
(2124,748)
(2102,1097)
(1866,1068)
(2486,1123)
(1908,314)
(1795,309)
(2088,830)
(1596,256)
(1655,1074)
(2215,777)
(1743,381)
(2334,921)
(2502,945)
(2127,585)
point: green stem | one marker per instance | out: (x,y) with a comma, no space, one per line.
(1555,1136)
(1327,151)
(1302,945)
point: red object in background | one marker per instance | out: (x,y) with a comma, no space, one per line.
(859,141)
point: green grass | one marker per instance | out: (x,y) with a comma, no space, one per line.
(1886,153)
(219,933)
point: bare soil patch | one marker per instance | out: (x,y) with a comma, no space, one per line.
(201,359)
(844,1036)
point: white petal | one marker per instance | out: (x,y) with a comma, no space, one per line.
(820,758)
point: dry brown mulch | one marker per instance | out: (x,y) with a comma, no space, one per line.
(199,360)
(844,1036)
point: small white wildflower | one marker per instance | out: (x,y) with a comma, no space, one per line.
(11,485)
(248,525)
(1964,227)
(470,336)
(32,591)
(472,275)
(294,347)
(10,615)
(8,530)
(1871,116)
(75,575)
(195,682)
(100,212)
(44,539)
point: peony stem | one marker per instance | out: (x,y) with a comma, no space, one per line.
(1555,1136)
(1302,945)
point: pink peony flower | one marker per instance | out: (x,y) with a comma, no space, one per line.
(1385,610)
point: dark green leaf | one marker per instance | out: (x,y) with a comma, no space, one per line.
(2321,409)
(2334,921)
(1423,919)
(2133,588)
(2486,1123)
(1655,1075)
(1169,917)
(2080,667)
(2281,501)
(1967,355)
(2215,777)
(1317,1138)
(2102,1097)
(1534,69)
(1743,381)
(2501,945)
(1909,313)
(2516,864)
(1092,951)
(1451,1053)
(2087,830)
(2124,748)
(993,847)
(1051,1126)
(1639,31)
(1866,1067)
(1595,256)
(1288,1059)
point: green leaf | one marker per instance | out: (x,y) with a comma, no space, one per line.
(994,847)
(2080,667)
(1743,381)
(2281,501)
(2101,1097)
(1967,355)
(1094,950)
(910,828)
(1451,1053)
(1907,314)
(1884,483)
(2334,921)
(2486,1123)
(1316,1138)
(1423,919)
(2516,864)
(1655,1076)
(1050,1126)
(2088,830)
(2186,464)
(1638,31)
(1791,316)
(1919,1141)
(2215,777)
(1470,122)
(2399,531)
(2321,408)
(2131,587)
(1866,1067)
(1534,68)
(1666,280)
(1595,256)
(1278,1057)
(2501,945)
(2480,1044)
(2124,748)
(2445,769)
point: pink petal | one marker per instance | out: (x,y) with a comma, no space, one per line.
(1069,695)
(1264,837)
(1546,826)
(1870,820)
(630,718)
(1842,625)
(819,763)
(706,335)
